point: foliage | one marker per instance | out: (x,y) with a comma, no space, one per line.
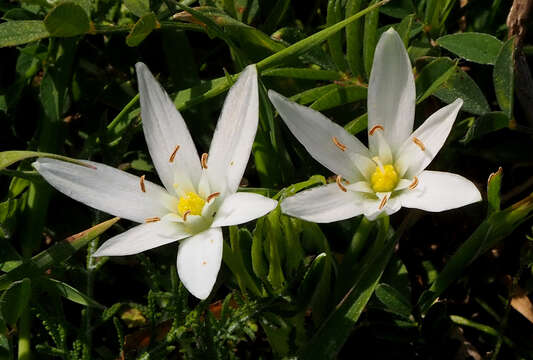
(417,285)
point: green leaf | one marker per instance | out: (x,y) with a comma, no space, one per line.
(357,125)
(461,85)
(313,94)
(339,96)
(138,7)
(142,28)
(432,76)
(370,38)
(57,253)
(313,40)
(334,15)
(394,301)
(21,32)
(404,28)
(503,77)
(69,293)
(10,157)
(354,39)
(330,337)
(485,124)
(493,191)
(496,227)
(305,73)
(15,299)
(67,19)
(476,47)
(315,289)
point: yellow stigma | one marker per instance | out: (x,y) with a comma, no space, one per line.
(191,202)
(384,181)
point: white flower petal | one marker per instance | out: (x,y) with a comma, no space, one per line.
(440,191)
(391,91)
(323,204)
(360,186)
(235,132)
(382,148)
(318,135)
(242,207)
(199,259)
(164,129)
(431,135)
(141,238)
(107,189)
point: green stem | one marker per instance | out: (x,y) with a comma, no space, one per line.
(24,344)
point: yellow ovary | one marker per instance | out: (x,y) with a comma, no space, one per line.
(384,181)
(191,202)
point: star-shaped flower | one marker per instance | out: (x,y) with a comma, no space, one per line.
(390,173)
(199,195)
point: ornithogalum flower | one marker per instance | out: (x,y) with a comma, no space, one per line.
(390,173)
(199,194)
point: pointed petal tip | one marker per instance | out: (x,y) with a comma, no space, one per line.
(140,66)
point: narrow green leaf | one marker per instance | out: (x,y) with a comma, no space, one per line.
(12,156)
(142,28)
(370,38)
(339,96)
(476,47)
(313,40)
(313,94)
(259,262)
(67,19)
(503,77)
(55,254)
(70,293)
(357,125)
(493,191)
(15,299)
(274,250)
(330,337)
(432,76)
(21,32)
(138,7)
(305,73)
(461,85)
(334,15)
(394,301)
(485,124)
(496,227)
(354,39)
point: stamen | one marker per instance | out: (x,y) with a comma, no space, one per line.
(419,143)
(143,189)
(339,183)
(374,128)
(379,163)
(204,160)
(383,202)
(152,219)
(212,196)
(338,143)
(185,215)
(173,155)
(204,262)
(413,184)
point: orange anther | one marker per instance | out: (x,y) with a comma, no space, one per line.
(338,180)
(383,202)
(152,219)
(204,160)
(173,155)
(419,143)
(374,128)
(185,215)
(212,196)
(413,184)
(338,143)
(143,189)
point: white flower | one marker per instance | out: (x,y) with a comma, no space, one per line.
(390,174)
(199,194)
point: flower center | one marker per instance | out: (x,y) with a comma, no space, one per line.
(384,180)
(191,202)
